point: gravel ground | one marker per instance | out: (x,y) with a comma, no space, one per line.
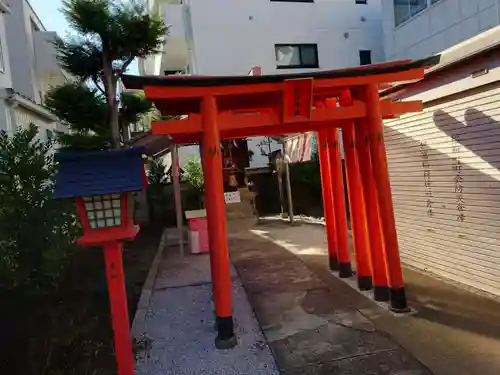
(179,327)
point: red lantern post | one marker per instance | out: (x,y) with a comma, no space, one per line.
(100,182)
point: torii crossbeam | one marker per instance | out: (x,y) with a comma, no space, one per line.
(247,106)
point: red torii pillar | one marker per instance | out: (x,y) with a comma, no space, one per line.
(327,194)
(328,204)
(217,230)
(357,210)
(377,248)
(381,176)
(337,182)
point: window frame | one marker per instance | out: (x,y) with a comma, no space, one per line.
(428,4)
(301,65)
(2,58)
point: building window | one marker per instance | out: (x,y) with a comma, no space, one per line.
(361,1)
(405,9)
(296,56)
(434,1)
(365,57)
(2,63)
(293,1)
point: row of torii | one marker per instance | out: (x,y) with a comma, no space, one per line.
(248,106)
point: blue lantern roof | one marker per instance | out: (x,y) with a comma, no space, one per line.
(82,174)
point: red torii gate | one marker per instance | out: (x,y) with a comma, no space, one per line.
(247,106)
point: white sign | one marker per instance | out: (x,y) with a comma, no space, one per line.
(232,197)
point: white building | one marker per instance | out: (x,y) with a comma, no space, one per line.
(420,28)
(229,37)
(28,69)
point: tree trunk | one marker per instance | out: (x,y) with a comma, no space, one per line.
(126,136)
(110,86)
(125,129)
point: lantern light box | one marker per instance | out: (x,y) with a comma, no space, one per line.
(100,182)
(103,211)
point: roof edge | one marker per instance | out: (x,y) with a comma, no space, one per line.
(29,104)
(139,82)
(457,54)
(63,156)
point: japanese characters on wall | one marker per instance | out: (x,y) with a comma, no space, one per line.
(424,155)
(458,178)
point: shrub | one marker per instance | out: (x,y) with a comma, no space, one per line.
(156,173)
(37,233)
(193,176)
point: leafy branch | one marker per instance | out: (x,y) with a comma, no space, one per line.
(109,36)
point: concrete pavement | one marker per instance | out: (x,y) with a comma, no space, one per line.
(310,327)
(452,331)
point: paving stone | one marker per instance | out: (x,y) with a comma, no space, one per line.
(286,313)
(177,271)
(282,275)
(393,362)
(327,343)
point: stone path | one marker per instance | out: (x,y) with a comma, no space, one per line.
(310,328)
(176,334)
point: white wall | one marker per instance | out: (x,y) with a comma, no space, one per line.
(33,59)
(231,36)
(44,51)
(20,44)
(31,69)
(5,76)
(175,55)
(171,12)
(438,27)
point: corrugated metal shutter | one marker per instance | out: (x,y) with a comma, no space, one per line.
(24,117)
(444,168)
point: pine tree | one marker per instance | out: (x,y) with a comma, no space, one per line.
(110,34)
